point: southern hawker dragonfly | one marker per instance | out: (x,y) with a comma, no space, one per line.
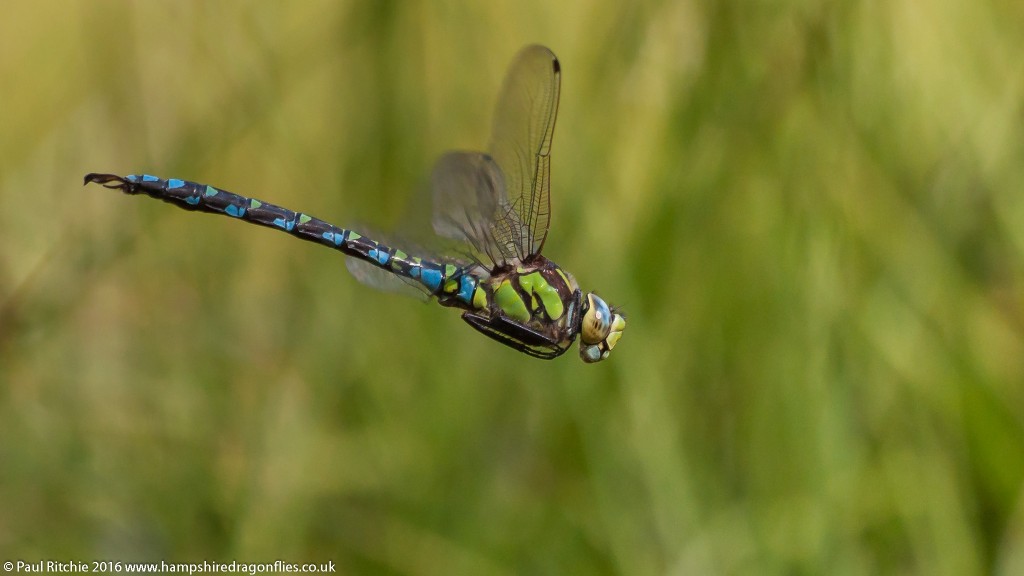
(495,206)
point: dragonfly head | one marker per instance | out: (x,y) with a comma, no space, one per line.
(600,329)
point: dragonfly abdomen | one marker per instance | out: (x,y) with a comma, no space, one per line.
(448,282)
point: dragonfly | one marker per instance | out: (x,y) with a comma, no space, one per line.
(494,207)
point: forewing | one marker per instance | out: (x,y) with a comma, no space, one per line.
(524,123)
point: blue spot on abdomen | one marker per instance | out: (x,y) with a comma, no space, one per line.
(175,183)
(431,278)
(379,255)
(335,237)
(466,289)
(235,211)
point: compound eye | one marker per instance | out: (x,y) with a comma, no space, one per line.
(591,354)
(597,320)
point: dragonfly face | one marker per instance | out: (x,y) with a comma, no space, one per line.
(600,329)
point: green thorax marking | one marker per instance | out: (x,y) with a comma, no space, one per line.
(510,302)
(538,293)
(537,286)
(569,281)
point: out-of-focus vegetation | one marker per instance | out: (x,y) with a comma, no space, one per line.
(813,213)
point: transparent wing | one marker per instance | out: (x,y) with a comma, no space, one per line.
(469,197)
(524,123)
(376,277)
(387,281)
(499,203)
(384,280)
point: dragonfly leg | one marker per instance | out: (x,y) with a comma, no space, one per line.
(515,335)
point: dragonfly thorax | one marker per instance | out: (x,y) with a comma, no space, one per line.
(533,307)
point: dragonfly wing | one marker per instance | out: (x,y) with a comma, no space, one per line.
(524,123)
(376,277)
(499,203)
(469,196)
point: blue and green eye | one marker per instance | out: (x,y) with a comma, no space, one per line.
(600,329)
(597,320)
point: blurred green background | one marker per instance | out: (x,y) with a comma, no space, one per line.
(812,212)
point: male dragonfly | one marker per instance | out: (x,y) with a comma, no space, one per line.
(495,205)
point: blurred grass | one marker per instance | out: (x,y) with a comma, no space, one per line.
(811,211)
